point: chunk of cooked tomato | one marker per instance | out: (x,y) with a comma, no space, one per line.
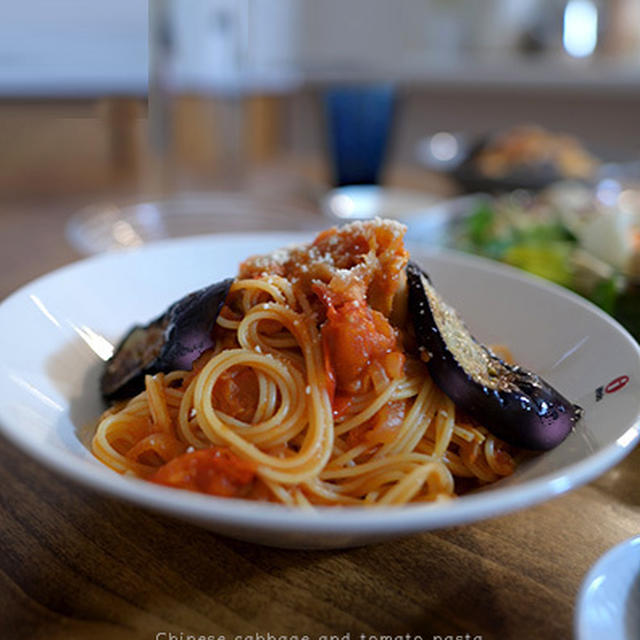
(216,471)
(353,337)
(236,393)
(382,428)
(156,449)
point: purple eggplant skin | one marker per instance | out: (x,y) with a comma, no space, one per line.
(172,341)
(513,403)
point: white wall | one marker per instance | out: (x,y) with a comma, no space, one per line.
(85,47)
(54,47)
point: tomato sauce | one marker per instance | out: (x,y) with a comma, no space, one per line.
(216,471)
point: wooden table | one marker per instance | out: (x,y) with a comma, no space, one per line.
(78,565)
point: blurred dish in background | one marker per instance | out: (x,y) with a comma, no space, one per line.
(363,202)
(109,227)
(566,234)
(527,157)
(609,601)
(533,148)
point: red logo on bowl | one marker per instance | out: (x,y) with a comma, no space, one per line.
(616,384)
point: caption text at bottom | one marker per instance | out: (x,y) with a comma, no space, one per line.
(168,635)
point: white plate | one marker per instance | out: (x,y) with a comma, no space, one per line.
(111,226)
(366,201)
(54,330)
(609,600)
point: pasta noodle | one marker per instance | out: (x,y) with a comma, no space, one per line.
(313,393)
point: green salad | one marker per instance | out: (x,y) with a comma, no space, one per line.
(540,237)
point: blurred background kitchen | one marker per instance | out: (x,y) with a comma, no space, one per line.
(125,122)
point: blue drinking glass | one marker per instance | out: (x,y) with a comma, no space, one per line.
(359,122)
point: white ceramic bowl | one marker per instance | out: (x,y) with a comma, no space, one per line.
(609,600)
(54,331)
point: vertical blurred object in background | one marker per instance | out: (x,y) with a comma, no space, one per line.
(358,123)
(580,28)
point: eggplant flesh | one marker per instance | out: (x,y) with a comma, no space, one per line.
(514,404)
(172,341)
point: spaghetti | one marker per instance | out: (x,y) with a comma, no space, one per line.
(314,392)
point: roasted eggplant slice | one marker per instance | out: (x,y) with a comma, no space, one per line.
(172,341)
(516,405)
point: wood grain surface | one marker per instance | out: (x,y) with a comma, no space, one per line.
(77,565)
